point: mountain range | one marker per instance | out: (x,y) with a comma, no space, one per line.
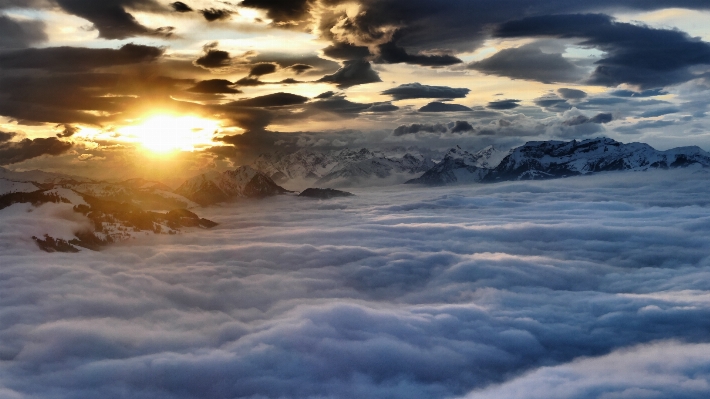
(553,159)
(341,168)
(123,210)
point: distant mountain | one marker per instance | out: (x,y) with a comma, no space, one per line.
(459,166)
(324,193)
(550,159)
(213,187)
(340,168)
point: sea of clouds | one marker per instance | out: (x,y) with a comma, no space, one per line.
(587,287)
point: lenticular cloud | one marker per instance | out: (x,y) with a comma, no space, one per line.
(583,287)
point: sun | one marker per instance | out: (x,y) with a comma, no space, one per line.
(168,133)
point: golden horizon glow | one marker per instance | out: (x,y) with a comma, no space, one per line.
(167,133)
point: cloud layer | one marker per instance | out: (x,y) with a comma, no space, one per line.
(392,293)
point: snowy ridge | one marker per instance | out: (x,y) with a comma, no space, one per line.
(550,159)
(553,159)
(212,187)
(340,168)
(460,166)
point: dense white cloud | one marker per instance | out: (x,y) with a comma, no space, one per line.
(398,292)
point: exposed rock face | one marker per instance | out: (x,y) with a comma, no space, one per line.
(550,159)
(324,193)
(244,182)
(553,159)
(459,166)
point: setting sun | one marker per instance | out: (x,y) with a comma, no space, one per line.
(165,133)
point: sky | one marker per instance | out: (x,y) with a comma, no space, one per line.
(578,288)
(127,88)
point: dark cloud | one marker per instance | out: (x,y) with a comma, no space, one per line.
(346,51)
(214,14)
(249,81)
(110,16)
(571,94)
(214,86)
(418,90)
(87,97)
(461,126)
(354,72)
(339,104)
(659,112)
(327,94)
(68,131)
(300,68)
(553,104)
(78,59)
(417,127)
(6,136)
(503,104)
(262,69)
(437,106)
(14,152)
(213,58)
(635,54)
(390,53)
(20,34)
(530,63)
(642,94)
(290,81)
(382,107)
(271,100)
(581,119)
(179,6)
(461,26)
(282,12)
(636,128)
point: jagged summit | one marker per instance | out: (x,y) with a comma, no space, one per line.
(212,187)
(551,159)
(460,166)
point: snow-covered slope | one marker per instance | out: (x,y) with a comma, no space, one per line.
(9,186)
(62,220)
(39,176)
(212,187)
(550,159)
(459,166)
(340,168)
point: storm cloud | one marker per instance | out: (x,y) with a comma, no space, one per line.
(355,72)
(529,62)
(635,54)
(14,152)
(19,34)
(418,90)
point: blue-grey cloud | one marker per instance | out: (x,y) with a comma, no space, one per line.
(635,54)
(418,90)
(437,106)
(530,63)
(352,73)
(19,34)
(503,104)
(571,94)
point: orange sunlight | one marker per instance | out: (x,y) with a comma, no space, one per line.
(166,133)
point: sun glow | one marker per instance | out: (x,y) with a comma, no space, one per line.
(166,133)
